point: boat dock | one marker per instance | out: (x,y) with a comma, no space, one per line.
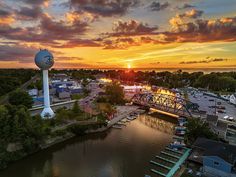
(169,161)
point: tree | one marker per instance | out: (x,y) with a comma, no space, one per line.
(76,109)
(20,97)
(197,128)
(105,108)
(16,124)
(115,93)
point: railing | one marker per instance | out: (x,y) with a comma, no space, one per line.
(164,102)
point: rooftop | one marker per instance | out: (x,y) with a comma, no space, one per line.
(215,148)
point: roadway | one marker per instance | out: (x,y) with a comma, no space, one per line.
(85,104)
(24,86)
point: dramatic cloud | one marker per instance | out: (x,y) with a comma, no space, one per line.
(31,10)
(104,8)
(155,63)
(81,43)
(35,2)
(186,6)
(19,53)
(60,29)
(157,6)
(48,31)
(204,61)
(29,13)
(193,13)
(131,28)
(69,58)
(180,20)
(126,42)
(6,16)
(223,29)
(4,13)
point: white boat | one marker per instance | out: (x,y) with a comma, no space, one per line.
(117,127)
(131,117)
(179,128)
(177,144)
(121,123)
(181,132)
(226,117)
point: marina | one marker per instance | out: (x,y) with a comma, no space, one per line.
(169,161)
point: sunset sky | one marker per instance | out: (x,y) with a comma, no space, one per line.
(119,33)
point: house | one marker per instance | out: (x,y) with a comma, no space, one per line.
(217,126)
(218,159)
(63,95)
(232,99)
(63,92)
(221,128)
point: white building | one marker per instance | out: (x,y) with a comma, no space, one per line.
(132,89)
(33,92)
(232,98)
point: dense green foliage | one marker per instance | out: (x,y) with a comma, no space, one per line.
(20,97)
(10,79)
(216,82)
(64,115)
(197,128)
(81,129)
(82,75)
(38,84)
(22,134)
(19,129)
(114,93)
(213,81)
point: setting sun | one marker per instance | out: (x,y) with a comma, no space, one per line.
(129,66)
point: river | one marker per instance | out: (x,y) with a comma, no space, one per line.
(122,152)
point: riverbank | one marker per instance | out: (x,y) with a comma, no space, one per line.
(114,152)
(64,133)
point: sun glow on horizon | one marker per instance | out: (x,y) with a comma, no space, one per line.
(129,66)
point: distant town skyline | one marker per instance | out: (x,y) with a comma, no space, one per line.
(119,33)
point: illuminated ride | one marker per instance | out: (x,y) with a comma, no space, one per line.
(165,101)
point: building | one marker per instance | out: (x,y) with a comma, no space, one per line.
(132,89)
(232,99)
(218,159)
(60,77)
(33,92)
(212,119)
(62,92)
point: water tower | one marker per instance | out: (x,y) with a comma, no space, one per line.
(44,60)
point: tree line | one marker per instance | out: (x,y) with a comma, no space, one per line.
(214,81)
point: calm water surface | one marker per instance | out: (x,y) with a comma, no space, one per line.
(115,153)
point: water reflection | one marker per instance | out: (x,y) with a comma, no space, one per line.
(115,153)
(162,125)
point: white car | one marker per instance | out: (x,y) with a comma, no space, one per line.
(226,117)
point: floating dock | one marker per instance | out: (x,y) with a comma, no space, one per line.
(169,161)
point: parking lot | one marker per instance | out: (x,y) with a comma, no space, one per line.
(213,105)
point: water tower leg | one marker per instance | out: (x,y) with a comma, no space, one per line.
(47,111)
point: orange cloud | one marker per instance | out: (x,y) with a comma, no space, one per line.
(6,20)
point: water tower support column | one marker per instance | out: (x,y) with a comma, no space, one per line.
(47,111)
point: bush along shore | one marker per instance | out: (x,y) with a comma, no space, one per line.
(22,134)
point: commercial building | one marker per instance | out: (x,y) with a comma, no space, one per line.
(218,159)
